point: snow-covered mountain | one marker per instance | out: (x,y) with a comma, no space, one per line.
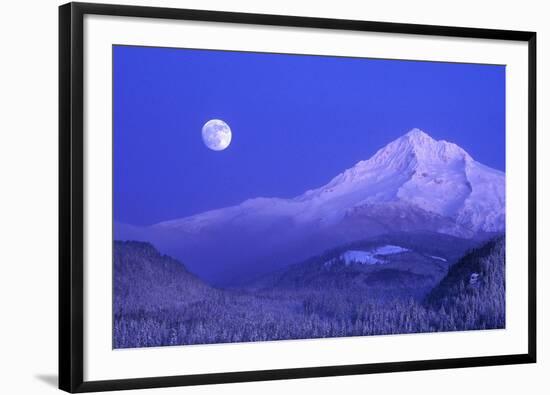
(413,184)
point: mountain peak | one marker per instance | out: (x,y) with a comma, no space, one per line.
(420,140)
(415,152)
(417,148)
(418,135)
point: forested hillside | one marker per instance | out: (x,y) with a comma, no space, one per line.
(473,292)
(158,302)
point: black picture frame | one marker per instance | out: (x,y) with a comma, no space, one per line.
(71,195)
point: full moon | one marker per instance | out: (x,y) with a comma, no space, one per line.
(216,135)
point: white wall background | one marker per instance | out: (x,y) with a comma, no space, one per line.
(28,195)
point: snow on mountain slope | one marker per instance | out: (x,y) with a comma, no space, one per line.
(436,176)
(413,184)
(369,257)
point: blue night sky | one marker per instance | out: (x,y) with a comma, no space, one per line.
(297,121)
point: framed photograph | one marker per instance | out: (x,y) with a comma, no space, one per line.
(253,197)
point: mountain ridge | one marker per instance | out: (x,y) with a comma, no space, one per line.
(413,184)
(413,160)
